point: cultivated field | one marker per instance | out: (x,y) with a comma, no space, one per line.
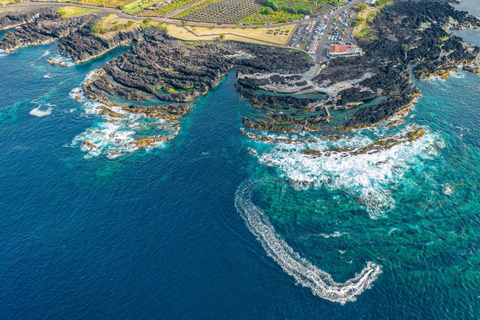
(223,11)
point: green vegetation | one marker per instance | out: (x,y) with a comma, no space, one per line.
(67,12)
(99,29)
(276,11)
(138,6)
(358,21)
(362,7)
(365,33)
(101,3)
(195,8)
(166,7)
(146,23)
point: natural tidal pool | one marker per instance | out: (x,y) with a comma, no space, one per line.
(215,225)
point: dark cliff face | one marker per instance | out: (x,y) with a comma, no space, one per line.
(44,26)
(82,45)
(12,17)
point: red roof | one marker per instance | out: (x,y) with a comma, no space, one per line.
(337,49)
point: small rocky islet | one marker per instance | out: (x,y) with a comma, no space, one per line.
(405,38)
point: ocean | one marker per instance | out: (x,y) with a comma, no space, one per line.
(213,225)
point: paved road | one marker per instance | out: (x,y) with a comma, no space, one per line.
(318,57)
(124,15)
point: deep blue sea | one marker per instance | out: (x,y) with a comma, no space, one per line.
(213,225)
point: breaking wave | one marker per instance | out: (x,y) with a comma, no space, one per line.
(41,113)
(305,273)
(368,176)
(116,136)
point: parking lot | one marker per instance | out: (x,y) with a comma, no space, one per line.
(316,34)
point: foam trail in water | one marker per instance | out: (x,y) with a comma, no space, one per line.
(305,273)
(46,53)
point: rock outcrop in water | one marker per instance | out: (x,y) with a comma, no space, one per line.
(173,72)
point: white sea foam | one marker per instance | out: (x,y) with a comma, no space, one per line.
(367,176)
(333,235)
(41,113)
(115,136)
(304,272)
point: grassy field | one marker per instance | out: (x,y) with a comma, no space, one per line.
(364,32)
(251,35)
(66,12)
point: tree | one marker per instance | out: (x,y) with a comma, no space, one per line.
(362,7)
(222,36)
(184,23)
(267,11)
(358,21)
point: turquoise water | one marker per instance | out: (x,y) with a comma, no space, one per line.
(173,232)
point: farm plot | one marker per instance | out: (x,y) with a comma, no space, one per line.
(224,11)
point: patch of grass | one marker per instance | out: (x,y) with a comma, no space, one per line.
(114,23)
(361,27)
(67,12)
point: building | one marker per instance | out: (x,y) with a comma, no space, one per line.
(336,50)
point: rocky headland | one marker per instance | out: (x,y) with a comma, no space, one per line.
(408,38)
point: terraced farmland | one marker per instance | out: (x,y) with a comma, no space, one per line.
(225,11)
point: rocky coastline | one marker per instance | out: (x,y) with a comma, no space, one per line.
(408,38)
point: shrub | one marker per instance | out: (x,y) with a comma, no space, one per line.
(266,11)
(272,4)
